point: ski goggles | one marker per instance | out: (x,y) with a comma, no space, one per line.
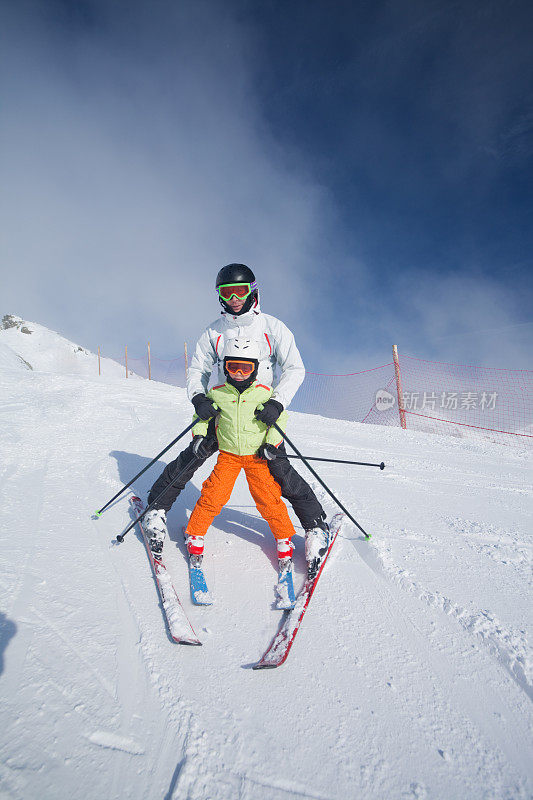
(240,290)
(245,368)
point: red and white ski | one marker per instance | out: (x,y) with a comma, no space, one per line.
(278,650)
(179,626)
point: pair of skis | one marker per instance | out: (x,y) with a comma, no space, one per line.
(181,629)
(201,596)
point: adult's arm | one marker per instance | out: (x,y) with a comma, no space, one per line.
(290,361)
(202,425)
(201,366)
(273,437)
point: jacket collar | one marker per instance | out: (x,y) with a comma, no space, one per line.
(236,391)
(243,319)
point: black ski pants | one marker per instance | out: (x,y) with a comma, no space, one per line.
(293,487)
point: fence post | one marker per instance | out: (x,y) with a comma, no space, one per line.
(186,360)
(149,364)
(126,361)
(401,407)
(99,367)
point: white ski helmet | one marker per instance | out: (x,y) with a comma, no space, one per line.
(241,350)
(248,349)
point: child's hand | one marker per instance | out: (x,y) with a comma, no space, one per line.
(268,451)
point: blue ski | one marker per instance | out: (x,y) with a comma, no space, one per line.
(200,594)
(285,586)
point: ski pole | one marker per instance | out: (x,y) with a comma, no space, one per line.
(319,479)
(162,453)
(336,460)
(120,537)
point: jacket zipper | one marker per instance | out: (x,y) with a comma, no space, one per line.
(239,422)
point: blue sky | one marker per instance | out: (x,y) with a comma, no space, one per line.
(372,162)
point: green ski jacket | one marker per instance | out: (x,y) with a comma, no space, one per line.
(238,430)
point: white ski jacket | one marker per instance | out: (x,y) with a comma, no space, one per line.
(278,349)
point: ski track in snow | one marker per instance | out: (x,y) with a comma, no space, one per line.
(411,676)
(511,646)
(114,742)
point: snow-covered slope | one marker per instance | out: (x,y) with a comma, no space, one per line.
(411,676)
(9,360)
(44,350)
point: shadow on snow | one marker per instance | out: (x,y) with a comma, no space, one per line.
(231,520)
(7,630)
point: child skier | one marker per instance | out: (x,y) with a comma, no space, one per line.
(243,444)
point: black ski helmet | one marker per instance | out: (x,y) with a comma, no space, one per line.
(237,273)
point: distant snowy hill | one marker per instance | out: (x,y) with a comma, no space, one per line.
(412,674)
(44,350)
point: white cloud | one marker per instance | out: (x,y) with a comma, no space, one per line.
(137,161)
(136,165)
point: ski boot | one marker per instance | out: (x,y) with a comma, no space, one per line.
(316,547)
(155,525)
(195,549)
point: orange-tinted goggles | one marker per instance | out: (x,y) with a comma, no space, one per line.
(245,368)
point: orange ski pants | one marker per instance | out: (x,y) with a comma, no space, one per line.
(216,491)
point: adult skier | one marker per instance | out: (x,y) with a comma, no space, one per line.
(241,317)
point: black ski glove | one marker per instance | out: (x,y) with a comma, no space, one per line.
(270,412)
(268,451)
(204,407)
(200,448)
